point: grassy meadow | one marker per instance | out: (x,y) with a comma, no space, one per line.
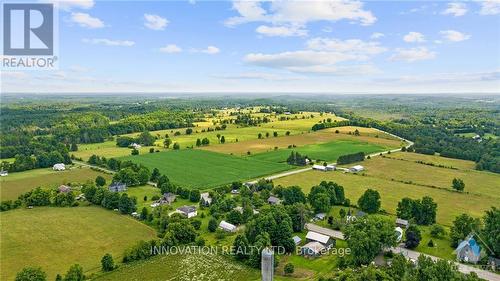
(30,237)
(204,169)
(15,184)
(329,151)
(379,172)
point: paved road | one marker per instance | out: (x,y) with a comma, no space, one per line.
(488,275)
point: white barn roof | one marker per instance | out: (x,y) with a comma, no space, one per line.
(315,247)
(311,235)
(357,167)
(319,167)
(227,226)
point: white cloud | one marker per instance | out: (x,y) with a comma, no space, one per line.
(170,49)
(19,75)
(211,50)
(377,35)
(257,76)
(413,37)
(454,36)
(456,9)
(490,7)
(86,20)
(109,42)
(281,31)
(457,77)
(352,46)
(413,54)
(301,12)
(155,22)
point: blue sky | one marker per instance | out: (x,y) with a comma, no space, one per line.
(281,46)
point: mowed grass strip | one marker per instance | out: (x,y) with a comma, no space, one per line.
(184,267)
(204,169)
(329,151)
(15,184)
(55,238)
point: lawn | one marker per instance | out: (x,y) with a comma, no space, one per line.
(15,184)
(450,204)
(329,151)
(255,145)
(202,267)
(30,237)
(204,169)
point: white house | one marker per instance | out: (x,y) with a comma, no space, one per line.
(206,200)
(357,168)
(59,167)
(224,225)
(188,211)
(319,168)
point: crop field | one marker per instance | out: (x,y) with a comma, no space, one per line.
(204,169)
(15,184)
(81,235)
(268,144)
(107,149)
(450,203)
(329,151)
(202,267)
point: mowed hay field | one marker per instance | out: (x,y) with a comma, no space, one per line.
(329,151)
(256,145)
(182,267)
(55,238)
(483,186)
(15,184)
(204,169)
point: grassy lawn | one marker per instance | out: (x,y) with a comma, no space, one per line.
(204,169)
(81,235)
(450,204)
(202,267)
(108,149)
(329,151)
(15,184)
(282,142)
(436,160)
(140,191)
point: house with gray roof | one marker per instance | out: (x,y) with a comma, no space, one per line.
(117,187)
(187,211)
(468,250)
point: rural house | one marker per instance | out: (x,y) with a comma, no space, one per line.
(168,198)
(273,200)
(468,250)
(64,188)
(402,223)
(59,167)
(117,187)
(187,211)
(206,200)
(325,240)
(224,225)
(357,168)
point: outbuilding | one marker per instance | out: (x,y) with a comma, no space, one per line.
(296,240)
(319,168)
(117,187)
(325,240)
(402,223)
(59,167)
(224,225)
(273,200)
(312,249)
(206,200)
(357,168)
(187,211)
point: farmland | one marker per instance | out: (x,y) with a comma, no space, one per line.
(329,151)
(204,169)
(55,238)
(482,186)
(17,183)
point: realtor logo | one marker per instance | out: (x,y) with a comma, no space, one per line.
(28,29)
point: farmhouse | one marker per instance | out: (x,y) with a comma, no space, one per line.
(273,200)
(206,200)
(319,168)
(187,211)
(468,250)
(59,167)
(4,173)
(296,240)
(312,249)
(357,168)
(117,187)
(167,198)
(224,225)
(326,241)
(402,223)
(64,188)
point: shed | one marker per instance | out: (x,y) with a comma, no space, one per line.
(296,240)
(320,216)
(402,223)
(59,167)
(325,240)
(357,168)
(117,187)
(319,168)
(330,167)
(224,225)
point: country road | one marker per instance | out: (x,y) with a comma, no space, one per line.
(463,268)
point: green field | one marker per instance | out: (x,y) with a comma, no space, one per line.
(379,175)
(202,267)
(204,169)
(15,184)
(31,237)
(329,151)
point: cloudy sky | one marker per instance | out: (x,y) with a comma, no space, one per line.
(293,46)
